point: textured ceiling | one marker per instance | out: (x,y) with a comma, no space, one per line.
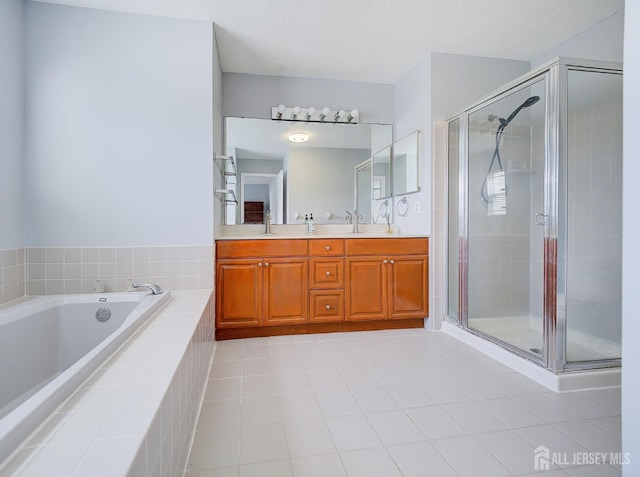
(371,40)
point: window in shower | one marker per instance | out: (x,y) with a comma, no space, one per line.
(505,182)
(594,215)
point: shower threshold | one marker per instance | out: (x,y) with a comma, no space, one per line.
(568,381)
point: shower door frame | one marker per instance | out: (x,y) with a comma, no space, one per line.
(554,74)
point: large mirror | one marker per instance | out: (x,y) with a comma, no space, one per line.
(405,165)
(294,179)
(382,173)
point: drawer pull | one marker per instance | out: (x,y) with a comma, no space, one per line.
(327,273)
(328,307)
(392,262)
(266,264)
(385,261)
(259,264)
(327,248)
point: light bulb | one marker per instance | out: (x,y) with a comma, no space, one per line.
(281,110)
(310,112)
(325,112)
(353,115)
(339,114)
(295,112)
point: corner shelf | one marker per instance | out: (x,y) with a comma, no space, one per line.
(226,164)
(225,193)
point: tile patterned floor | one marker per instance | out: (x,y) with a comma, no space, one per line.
(390,403)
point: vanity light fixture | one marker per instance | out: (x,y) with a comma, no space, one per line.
(298,137)
(311,114)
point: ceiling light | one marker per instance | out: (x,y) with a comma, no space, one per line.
(298,137)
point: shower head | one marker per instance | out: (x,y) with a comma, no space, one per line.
(529,102)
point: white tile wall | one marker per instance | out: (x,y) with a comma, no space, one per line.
(75,270)
(12,274)
(136,415)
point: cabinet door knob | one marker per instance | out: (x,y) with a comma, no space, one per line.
(327,248)
(327,273)
(392,262)
(266,264)
(385,261)
(259,264)
(328,307)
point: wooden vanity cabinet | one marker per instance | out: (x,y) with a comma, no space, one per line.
(386,279)
(286,286)
(261,283)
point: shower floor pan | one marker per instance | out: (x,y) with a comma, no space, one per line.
(525,332)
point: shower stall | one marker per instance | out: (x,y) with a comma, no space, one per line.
(534,216)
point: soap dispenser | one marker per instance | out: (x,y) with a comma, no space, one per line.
(311,226)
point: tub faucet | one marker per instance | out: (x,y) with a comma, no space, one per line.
(155,289)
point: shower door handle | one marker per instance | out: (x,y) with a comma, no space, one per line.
(541,219)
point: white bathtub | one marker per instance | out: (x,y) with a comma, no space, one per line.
(50,345)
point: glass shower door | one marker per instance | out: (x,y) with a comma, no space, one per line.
(506,218)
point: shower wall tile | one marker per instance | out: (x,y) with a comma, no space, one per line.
(12,273)
(77,270)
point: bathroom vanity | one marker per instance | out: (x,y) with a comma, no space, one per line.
(275,285)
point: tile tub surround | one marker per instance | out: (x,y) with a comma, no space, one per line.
(12,274)
(388,403)
(53,271)
(134,416)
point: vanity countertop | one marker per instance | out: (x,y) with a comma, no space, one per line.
(299,231)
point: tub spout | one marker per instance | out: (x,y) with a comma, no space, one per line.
(155,289)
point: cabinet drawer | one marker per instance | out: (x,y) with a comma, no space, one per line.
(326,273)
(387,246)
(326,247)
(261,248)
(326,306)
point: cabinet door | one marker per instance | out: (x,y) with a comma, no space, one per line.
(366,288)
(408,286)
(238,292)
(286,291)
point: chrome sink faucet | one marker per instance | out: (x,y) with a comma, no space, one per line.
(356,221)
(267,223)
(349,217)
(155,289)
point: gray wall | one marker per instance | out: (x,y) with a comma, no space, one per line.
(119,128)
(630,241)
(321,177)
(254,96)
(11,123)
